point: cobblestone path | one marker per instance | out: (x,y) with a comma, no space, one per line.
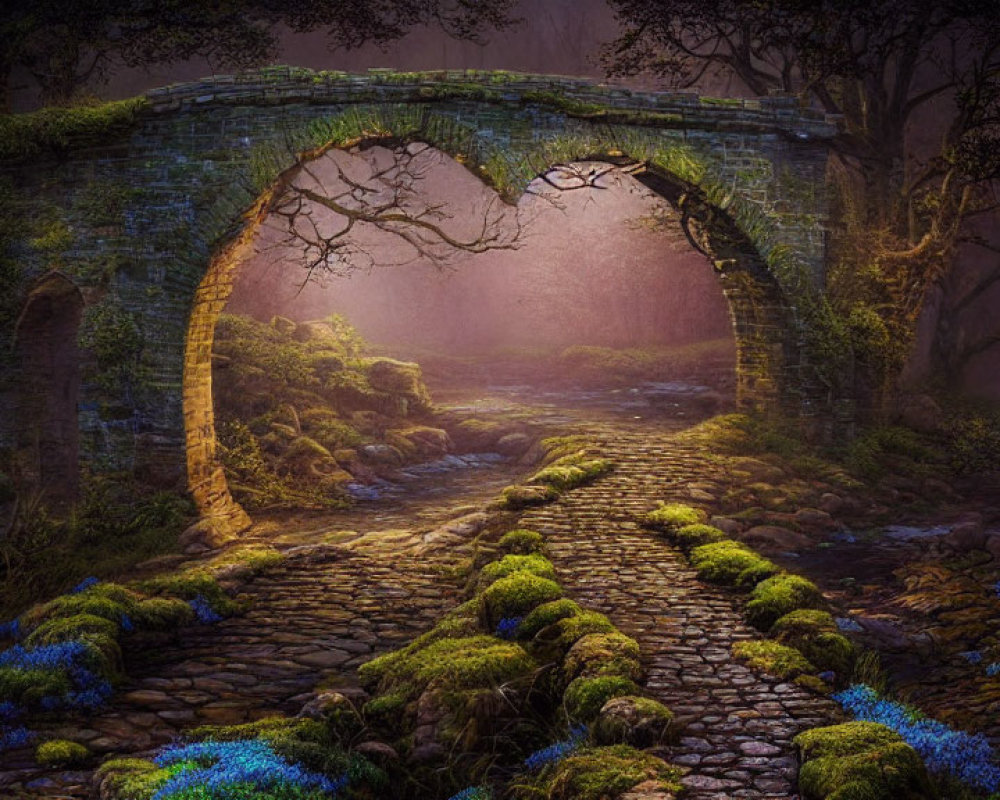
(330,607)
(739,724)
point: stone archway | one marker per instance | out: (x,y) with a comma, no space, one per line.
(763,323)
(48,360)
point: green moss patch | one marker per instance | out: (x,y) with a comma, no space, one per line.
(814,633)
(60,753)
(516,595)
(670,517)
(603,654)
(585,697)
(860,761)
(535,564)
(636,721)
(777,596)
(521,542)
(775,659)
(731,564)
(599,773)
(547,614)
(688,537)
(518,497)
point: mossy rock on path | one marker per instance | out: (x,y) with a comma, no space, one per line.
(671,517)
(773,598)
(860,761)
(814,633)
(605,773)
(731,564)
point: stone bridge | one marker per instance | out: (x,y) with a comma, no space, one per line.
(130,224)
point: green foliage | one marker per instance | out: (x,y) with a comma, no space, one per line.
(655,724)
(518,497)
(60,753)
(879,449)
(521,542)
(860,761)
(584,697)
(115,337)
(731,564)
(777,596)
(598,773)
(670,517)
(776,659)
(59,130)
(566,632)
(571,471)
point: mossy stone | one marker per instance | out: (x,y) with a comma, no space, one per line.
(60,753)
(846,739)
(690,536)
(62,629)
(566,632)
(522,542)
(776,659)
(780,595)
(889,772)
(670,517)
(814,633)
(585,697)
(731,564)
(516,595)
(517,497)
(545,615)
(603,654)
(534,563)
(598,773)
(634,720)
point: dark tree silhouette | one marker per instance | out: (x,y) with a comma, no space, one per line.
(66,44)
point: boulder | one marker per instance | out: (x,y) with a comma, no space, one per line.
(513,444)
(814,519)
(967,536)
(730,527)
(382,454)
(637,721)
(379,752)
(773,538)
(831,503)
(992,545)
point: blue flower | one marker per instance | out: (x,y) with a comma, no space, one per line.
(967,756)
(126,623)
(213,767)
(12,738)
(83,585)
(10,711)
(474,793)
(558,751)
(203,610)
(972,656)
(993,669)
(507,627)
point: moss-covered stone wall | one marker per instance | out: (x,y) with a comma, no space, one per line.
(148,206)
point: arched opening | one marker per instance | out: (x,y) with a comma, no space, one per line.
(764,343)
(49,367)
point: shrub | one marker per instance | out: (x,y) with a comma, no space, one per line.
(669,517)
(731,564)
(60,752)
(776,659)
(522,542)
(585,697)
(777,596)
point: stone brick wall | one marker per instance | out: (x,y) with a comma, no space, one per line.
(158,218)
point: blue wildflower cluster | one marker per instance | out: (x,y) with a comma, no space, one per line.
(83,585)
(215,769)
(507,627)
(13,737)
(968,757)
(203,610)
(87,690)
(996,588)
(993,670)
(972,656)
(558,751)
(474,793)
